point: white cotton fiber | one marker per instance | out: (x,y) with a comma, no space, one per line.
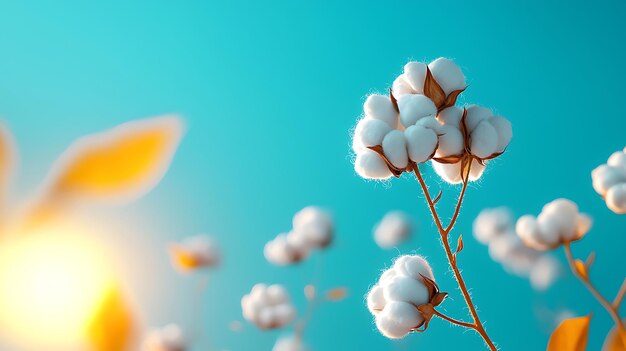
(448,74)
(394,146)
(484,141)
(616,198)
(415,74)
(369,132)
(544,272)
(421,143)
(491,223)
(380,107)
(450,142)
(475,115)
(268,307)
(605,176)
(413,266)
(398,319)
(405,288)
(370,165)
(401,87)
(451,173)
(617,159)
(284,250)
(289,343)
(376,299)
(314,225)
(451,116)
(393,229)
(168,338)
(504,130)
(414,107)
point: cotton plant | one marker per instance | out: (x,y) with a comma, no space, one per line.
(560,224)
(393,229)
(168,338)
(495,227)
(609,181)
(111,167)
(419,122)
(194,253)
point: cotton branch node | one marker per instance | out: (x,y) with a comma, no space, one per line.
(312,229)
(394,228)
(609,180)
(419,122)
(401,298)
(268,307)
(169,338)
(195,252)
(558,223)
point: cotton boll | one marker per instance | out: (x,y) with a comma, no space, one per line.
(398,319)
(501,247)
(380,107)
(413,266)
(421,143)
(583,224)
(168,338)
(407,289)
(475,115)
(429,123)
(414,107)
(370,165)
(289,343)
(559,219)
(450,142)
(450,173)
(617,159)
(504,130)
(376,300)
(394,146)
(544,272)
(284,250)
(394,228)
(484,140)
(369,132)
(448,74)
(387,276)
(491,223)
(476,171)
(415,75)
(527,229)
(616,198)
(605,176)
(401,87)
(314,225)
(451,116)
(268,307)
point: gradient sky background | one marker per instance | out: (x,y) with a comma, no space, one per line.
(269,92)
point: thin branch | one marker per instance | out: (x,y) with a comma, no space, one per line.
(457,209)
(620,296)
(454,321)
(589,285)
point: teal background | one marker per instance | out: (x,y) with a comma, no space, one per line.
(269,92)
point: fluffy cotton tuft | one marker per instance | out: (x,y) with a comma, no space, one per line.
(451,172)
(609,180)
(559,222)
(168,338)
(289,343)
(268,307)
(495,228)
(400,290)
(393,229)
(195,252)
(313,228)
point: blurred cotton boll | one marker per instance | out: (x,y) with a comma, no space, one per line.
(559,222)
(284,250)
(168,338)
(544,272)
(268,307)
(452,173)
(609,180)
(393,229)
(195,252)
(290,343)
(491,223)
(400,290)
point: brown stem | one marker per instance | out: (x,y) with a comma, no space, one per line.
(454,321)
(610,308)
(477,324)
(620,296)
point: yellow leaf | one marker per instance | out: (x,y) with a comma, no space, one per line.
(337,294)
(581,269)
(122,163)
(111,328)
(615,341)
(570,335)
(182,259)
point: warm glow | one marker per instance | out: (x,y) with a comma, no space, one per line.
(50,284)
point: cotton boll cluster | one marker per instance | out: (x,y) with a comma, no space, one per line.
(168,338)
(495,228)
(268,307)
(312,229)
(394,300)
(290,343)
(609,180)
(559,222)
(195,252)
(419,122)
(394,228)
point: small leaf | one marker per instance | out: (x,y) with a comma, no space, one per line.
(438,298)
(570,335)
(430,285)
(337,294)
(459,244)
(615,341)
(111,327)
(433,90)
(451,99)
(394,101)
(427,311)
(581,269)
(590,260)
(310,292)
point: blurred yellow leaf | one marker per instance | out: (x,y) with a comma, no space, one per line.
(570,335)
(124,162)
(581,269)
(615,341)
(112,326)
(337,294)
(182,259)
